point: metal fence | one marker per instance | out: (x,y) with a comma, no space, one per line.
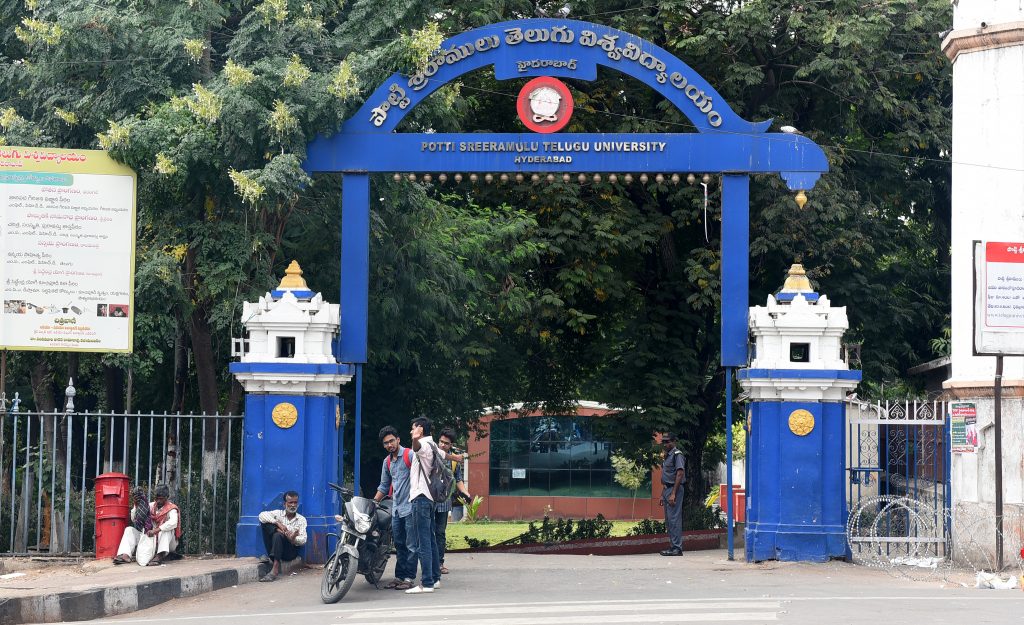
(898,481)
(49,462)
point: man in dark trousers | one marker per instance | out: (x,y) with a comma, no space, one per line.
(673,476)
(284,531)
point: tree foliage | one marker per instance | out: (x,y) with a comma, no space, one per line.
(487,294)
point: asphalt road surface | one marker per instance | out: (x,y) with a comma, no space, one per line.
(702,587)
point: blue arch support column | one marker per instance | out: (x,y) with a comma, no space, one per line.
(354,294)
(722,143)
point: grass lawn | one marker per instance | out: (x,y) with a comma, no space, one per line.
(499,531)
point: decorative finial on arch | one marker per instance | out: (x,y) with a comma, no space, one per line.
(293,280)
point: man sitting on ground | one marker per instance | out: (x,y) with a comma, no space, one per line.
(284,531)
(155,527)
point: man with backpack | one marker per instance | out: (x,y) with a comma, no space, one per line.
(429,482)
(445,440)
(394,482)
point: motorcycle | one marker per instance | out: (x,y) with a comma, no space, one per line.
(363,547)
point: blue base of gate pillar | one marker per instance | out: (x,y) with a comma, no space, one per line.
(796,497)
(302,457)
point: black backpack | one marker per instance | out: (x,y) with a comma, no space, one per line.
(441,480)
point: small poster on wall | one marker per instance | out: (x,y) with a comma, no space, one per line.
(963,431)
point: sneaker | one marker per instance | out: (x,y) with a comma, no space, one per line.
(416,590)
(437,585)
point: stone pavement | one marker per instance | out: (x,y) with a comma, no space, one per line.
(89,589)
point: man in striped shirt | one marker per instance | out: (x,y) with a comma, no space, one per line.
(442,508)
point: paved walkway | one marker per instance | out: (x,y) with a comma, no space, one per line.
(95,588)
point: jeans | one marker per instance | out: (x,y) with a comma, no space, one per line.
(674,517)
(278,547)
(422,540)
(440,529)
(405,560)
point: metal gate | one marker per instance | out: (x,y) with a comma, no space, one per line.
(49,461)
(898,483)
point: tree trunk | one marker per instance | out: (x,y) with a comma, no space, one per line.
(235,397)
(113,391)
(41,378)
(180,370)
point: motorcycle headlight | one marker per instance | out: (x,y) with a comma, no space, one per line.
(362,523)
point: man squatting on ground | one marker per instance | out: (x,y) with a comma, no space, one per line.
(284,531)
(445,440)
(673,476)
(394,483)
(154,527)
(423,540)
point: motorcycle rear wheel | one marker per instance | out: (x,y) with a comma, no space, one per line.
(339,573)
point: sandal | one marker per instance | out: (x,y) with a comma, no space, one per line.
(391,585)
(403,585)
(122,559)
(154,563)
(269,577)
(444,570)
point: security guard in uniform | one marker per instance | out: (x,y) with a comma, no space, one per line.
(673,476)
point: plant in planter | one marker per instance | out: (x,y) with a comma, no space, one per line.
(472,509)
(646,527)
(629,474)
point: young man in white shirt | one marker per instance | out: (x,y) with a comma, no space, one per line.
(421,538)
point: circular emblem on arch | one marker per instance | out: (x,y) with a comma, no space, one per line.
(545,104)
(801,422)
(284,415)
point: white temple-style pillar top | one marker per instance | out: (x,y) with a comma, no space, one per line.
(291,335)
(797,351)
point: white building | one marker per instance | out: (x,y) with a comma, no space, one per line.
(986,47)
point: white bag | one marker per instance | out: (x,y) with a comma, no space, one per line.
(146,550)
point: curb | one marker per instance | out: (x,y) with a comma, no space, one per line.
(110,601)
(693,540)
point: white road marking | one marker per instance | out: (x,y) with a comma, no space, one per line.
(343,608)
(603,606)
(586,619)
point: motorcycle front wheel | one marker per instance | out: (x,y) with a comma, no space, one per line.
(339,573)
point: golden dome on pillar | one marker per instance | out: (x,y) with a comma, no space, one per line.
(797,280)
(293,280)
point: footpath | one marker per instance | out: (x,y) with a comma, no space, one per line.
(38,592)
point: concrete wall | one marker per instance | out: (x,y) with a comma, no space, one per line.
(988,171)
(987,50)
(973,475)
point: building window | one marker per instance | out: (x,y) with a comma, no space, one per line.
(286,347)
(800,352)
(553,457)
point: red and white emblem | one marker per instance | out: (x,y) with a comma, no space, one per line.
(545,104)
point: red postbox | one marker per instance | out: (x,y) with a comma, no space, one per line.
(112,505)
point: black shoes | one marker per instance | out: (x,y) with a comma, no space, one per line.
(672,552)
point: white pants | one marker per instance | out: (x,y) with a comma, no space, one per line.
(164,542)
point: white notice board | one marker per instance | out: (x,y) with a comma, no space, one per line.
(998,298)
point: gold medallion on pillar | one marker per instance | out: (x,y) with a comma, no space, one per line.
(284,415)
(801,422)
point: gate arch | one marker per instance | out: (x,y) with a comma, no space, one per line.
(724,143)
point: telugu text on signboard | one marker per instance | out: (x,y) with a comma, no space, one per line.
(67,231)
(999,298)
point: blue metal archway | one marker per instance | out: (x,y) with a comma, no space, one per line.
(724,143)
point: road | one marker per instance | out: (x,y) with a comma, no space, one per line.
(701,587)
